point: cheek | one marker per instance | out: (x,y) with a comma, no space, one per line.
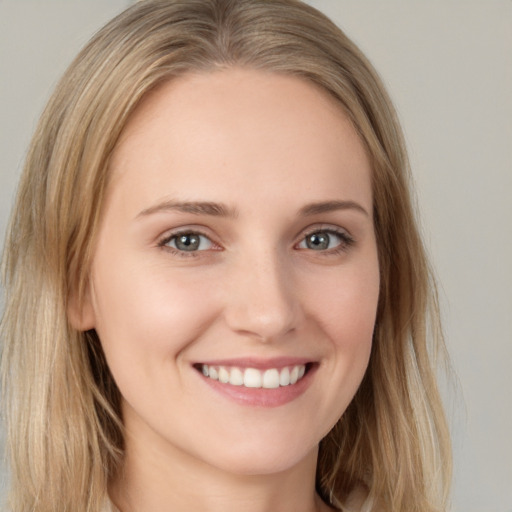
(144,313)
(346,304)
(345,307)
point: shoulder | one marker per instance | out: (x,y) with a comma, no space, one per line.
(358,501)
(357,498)
(108,506)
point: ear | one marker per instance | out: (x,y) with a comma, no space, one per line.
(80,311)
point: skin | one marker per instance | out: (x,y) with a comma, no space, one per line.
(265,146)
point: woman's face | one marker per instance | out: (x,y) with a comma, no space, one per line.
(235,278)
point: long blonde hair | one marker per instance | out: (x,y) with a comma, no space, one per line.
(65,436)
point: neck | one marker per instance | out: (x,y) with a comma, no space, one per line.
(170,480)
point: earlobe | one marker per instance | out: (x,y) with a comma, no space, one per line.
(80,311)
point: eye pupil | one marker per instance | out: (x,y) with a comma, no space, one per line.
(318,241)
(187,242)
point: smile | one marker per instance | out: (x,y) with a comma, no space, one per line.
(259,383)
(270,378)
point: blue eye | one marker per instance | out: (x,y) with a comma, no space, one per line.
(188,242)
(325,240)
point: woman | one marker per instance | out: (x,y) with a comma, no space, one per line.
(217,296)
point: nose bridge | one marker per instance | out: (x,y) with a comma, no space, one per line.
(262,301)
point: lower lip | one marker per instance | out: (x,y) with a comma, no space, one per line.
(262,397)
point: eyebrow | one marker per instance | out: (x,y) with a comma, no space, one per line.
(194,207)
(330,206)
(222,210)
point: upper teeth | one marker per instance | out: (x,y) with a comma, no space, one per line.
(254,378)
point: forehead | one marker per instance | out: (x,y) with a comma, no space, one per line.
(249,130)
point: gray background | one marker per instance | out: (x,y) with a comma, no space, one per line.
(448,66)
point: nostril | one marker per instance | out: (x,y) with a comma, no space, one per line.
(263,307)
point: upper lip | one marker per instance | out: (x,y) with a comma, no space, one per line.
(258,363)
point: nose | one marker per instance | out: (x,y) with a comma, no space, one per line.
(262,302)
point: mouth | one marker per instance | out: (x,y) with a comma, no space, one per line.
(255,378)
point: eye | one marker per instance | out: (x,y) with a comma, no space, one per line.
(188,242)
(325,240)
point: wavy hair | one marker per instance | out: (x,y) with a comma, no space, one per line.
(65,435)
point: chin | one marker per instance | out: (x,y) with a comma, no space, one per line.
(274,457)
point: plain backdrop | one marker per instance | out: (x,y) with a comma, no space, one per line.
(448,67)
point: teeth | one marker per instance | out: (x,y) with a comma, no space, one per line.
(236,377)
(284,377)
(294,375)
(253,378)
(223,375)
(271,379)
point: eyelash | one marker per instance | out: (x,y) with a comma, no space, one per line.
(183,254)
(346,241)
